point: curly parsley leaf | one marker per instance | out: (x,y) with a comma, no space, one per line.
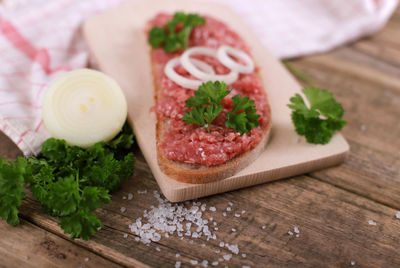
(11,189)
(69,182)
(243,116)
(175,34)
(319,122)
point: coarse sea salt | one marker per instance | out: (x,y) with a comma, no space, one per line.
(296,229)
(352,262)
(171,218)
(194,262)
(130,196)
(178,264)
(371,222)
(214,263)
(398,214)
(213,209)
(123,209)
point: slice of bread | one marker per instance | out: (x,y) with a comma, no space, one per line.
(196,173)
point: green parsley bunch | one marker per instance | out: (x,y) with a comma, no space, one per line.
(69,182)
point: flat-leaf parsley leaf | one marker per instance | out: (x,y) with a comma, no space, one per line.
(207,105)
(175,34)
(318,122)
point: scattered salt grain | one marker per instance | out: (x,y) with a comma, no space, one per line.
(398,214)
(123,209)
(215,223)
(220,259)
(221,244)
(290,232)
(233,230)
(158,249)
(233,248)
(230,203)
(228,209)
(217,251)
(203,245)
(296,229)
(203,207)
(363,127)
(224,214)
(237,215)
(124,197)
(177,264)
(130,196)
(166,235)
(227,257)
(137,239)
(246,266)
(87,259)
(297,235)
(352,262)
(177,255)
(214,263)
(204,263)
(142,192)
(99,228)
(213,209)
(263,227)
(244,255)
(243,212)
(371,222)
(194,262)
(125,235)
(27,257)
(191,241)
(215,228)
(211,219)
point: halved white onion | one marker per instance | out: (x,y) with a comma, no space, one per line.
(187,63)
(84,107)
(223,56)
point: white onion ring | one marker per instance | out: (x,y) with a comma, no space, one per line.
(187,63)
(181,80)
(223,57)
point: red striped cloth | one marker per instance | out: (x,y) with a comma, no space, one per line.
(40,39)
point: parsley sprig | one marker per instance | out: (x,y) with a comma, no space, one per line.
(207,105)
(169,38)
(69,182)
(318,122)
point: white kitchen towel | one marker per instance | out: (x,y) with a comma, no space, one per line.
(40,39)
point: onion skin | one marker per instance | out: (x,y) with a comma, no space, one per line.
(84,107)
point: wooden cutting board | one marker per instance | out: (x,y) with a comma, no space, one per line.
(119,47)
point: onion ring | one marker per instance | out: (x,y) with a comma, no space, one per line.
(223,56)
(187,63)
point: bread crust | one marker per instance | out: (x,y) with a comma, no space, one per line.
(196,173)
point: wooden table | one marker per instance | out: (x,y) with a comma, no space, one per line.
(331,207)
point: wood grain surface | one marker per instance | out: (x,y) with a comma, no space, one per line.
(331,207)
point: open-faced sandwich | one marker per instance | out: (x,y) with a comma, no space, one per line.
(213,115)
